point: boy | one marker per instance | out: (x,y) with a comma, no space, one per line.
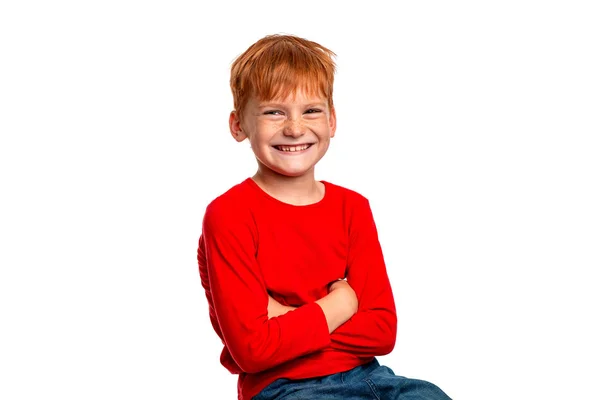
(292,267)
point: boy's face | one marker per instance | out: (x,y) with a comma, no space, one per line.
(288,136)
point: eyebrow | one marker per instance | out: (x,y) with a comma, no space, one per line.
(282,105)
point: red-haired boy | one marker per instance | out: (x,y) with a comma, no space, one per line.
(292,267)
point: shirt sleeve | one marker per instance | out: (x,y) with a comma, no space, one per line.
(372,330)
(240,298)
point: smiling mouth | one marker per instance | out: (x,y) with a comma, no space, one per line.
(293,149)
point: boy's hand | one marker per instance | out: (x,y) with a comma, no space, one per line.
(339,305)
(275,308)
(350,295)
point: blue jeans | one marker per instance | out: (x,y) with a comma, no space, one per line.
(369,381)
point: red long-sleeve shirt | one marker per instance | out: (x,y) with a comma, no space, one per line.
(253,245)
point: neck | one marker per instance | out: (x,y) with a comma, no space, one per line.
(297,190)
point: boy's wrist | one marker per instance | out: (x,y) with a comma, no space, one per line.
(338,306)
(276,309)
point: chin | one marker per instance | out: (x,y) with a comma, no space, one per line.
(292,173)
(288,172)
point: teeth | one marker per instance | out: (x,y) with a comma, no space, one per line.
(293,148)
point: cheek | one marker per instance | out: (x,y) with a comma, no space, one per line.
(273,126)
(266,129)
(324,130)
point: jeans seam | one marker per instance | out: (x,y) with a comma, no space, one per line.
(373,388)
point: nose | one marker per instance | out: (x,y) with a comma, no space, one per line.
(294,128)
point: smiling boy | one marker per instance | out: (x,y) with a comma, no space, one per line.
(292,267)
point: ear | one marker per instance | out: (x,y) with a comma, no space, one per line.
(332,122)
(235,127)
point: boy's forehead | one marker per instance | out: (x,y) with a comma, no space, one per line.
(313,101)
(299,97)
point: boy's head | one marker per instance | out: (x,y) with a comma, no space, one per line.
(283,97)
(279,65)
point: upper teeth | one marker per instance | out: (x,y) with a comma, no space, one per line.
(293,148)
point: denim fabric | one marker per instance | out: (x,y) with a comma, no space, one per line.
(370,381)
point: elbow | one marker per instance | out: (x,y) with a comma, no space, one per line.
(252,365)
(388,337)
(252,357)
(388,344)
(386,341)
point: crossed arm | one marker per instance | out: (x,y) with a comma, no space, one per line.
(371,329)
(339,305)
(366,329)
(356,316)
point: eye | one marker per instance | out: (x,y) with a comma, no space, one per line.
(273,112)
(313,111)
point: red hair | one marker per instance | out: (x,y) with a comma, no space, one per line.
(277,66)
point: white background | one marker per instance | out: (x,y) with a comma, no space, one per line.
(473,127)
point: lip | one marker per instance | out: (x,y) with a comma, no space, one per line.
(292,153)
(295,144)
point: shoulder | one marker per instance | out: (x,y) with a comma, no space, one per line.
(356,207)
(231,207)
(232,196)
(350,197)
